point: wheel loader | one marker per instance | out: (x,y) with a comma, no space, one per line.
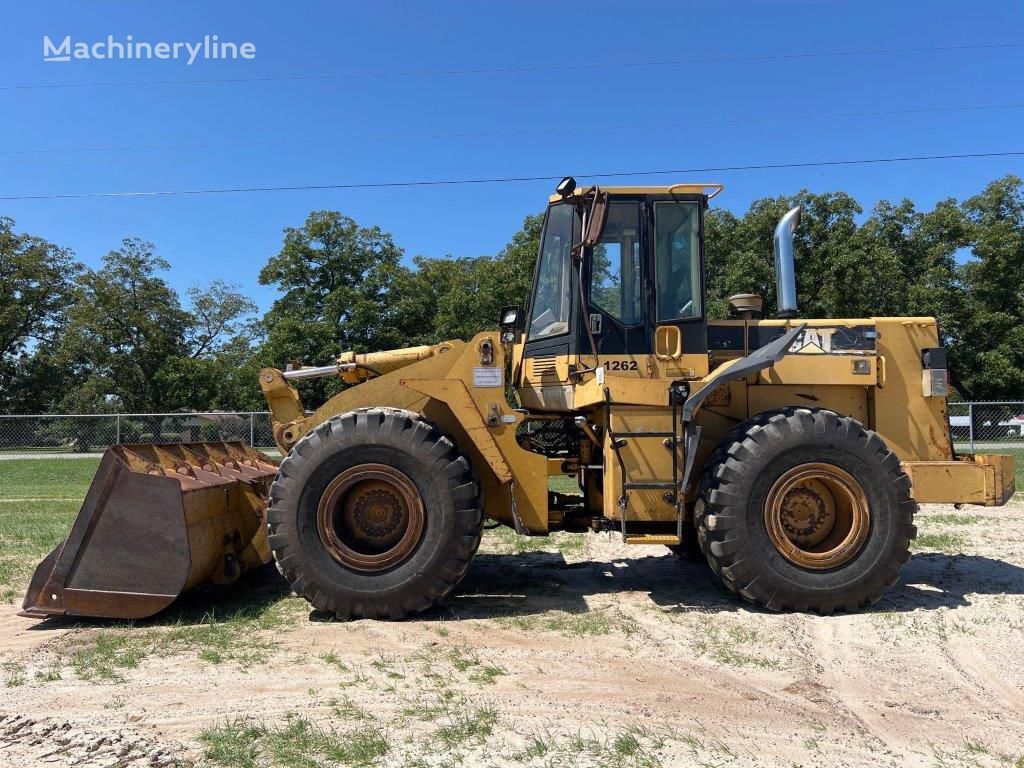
(792,452)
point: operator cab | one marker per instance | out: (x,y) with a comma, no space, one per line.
(620,273)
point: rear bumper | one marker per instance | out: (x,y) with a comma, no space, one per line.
(987,480)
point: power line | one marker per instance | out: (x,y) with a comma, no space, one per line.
(520,132)
(508,179)
(519,70)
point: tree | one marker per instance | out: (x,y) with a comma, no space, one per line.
(220,370)
(36,283)
(335,277)
(832,279)
(135,349)
(126,324)
(222,319)
(519,257)
(457,298)
(988,344)
(912,255)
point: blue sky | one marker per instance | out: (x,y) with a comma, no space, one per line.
(231,236)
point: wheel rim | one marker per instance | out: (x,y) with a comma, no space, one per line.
(817,516)
(370,517)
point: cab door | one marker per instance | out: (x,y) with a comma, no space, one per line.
(679,295)
(616,289)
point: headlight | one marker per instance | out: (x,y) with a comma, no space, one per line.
(510,319)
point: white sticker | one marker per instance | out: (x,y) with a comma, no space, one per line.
(488,377)
(599,374)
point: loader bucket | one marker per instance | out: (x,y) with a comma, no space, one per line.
(157,520)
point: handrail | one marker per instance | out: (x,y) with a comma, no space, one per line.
(709,185)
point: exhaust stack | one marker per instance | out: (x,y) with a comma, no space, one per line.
(785,270)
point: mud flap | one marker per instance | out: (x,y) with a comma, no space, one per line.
(156,521)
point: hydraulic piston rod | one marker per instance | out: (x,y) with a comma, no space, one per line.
(318,372)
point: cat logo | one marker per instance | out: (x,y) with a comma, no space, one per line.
(814,341)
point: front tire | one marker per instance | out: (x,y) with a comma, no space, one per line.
(805,509)
(374,514)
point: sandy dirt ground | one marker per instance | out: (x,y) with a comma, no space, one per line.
(585,652)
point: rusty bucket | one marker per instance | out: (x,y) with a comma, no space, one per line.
(157,520)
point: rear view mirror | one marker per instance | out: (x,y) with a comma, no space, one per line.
(595,215)
(596,218)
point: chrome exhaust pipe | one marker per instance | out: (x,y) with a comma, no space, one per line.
(785,269)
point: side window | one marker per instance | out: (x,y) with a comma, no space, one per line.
(615,265)
(677,253)
(552,294)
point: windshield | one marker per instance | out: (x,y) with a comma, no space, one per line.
(552,295)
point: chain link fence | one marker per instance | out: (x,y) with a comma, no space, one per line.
(989,428)
(91,433)
(976,428)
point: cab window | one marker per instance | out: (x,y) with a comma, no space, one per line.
(615,265)
(677,253)
(552,296)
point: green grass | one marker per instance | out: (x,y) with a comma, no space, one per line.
(458,720)
(242,633)
(583,624)
(949,543)
(465,659)
(13,674)
(734,646)
(951,518)
(28,531)
(633,747)
(30,528)
(974,753)
(294,743)
(506,541)
(347,709)
(564,484)
(465,725)
(46,478)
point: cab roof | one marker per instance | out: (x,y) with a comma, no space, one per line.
(710,190)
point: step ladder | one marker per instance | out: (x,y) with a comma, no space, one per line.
(674,487)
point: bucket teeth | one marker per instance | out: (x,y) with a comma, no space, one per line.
(157,520)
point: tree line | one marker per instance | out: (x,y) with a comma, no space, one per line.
(120,338)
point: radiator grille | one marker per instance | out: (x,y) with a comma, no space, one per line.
(544,368)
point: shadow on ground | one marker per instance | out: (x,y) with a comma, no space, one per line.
(252,597)
(936,580)
(500,585)
(535,582)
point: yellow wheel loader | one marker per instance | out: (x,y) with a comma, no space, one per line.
(792,451)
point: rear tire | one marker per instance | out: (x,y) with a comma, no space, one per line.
(374,514)
(805,509)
